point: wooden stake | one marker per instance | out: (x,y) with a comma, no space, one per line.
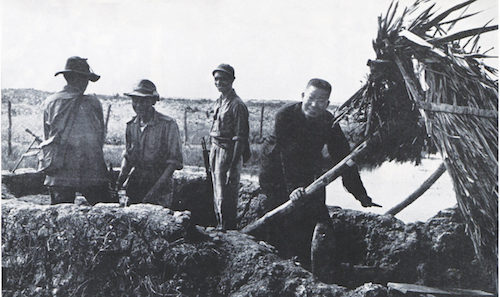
(261,119)
(107,121)
(9,135)
(185,126)
(418,192)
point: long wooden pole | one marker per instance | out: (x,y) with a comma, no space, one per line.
(418,192)
(467,110)
(319,183)
(23,155)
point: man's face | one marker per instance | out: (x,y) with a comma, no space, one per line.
(143,106)
(314,101)
(223,81)
(77,80)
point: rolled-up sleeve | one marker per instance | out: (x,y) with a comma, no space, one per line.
(241,127)
(174,152)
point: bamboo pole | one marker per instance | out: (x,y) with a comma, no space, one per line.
(319,183)
(466,110)
(419,191)
(9,135)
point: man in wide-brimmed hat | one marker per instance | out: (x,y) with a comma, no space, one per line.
(230,147)
(72,155)
(153,150)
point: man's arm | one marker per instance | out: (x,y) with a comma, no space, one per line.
(287,146)
(174,161)
(48,117)
(126,166)
(161,183)
(338,147)
(239,146)
(100,117)
(241,132)
(46,126)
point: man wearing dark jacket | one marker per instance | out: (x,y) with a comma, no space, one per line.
(293,160)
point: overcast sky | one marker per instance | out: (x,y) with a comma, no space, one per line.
(275,46)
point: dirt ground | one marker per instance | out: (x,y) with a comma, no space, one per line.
(144,250)
(147,250)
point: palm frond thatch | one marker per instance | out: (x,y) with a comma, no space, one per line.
(425,92)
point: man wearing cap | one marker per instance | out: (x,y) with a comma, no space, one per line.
(72,155)
(153,150)
(230,147)
(292,159)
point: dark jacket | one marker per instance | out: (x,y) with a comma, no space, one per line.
(292,157)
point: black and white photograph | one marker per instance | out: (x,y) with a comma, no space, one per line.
(249,148)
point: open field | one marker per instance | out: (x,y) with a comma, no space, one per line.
(387,185)
(196,115)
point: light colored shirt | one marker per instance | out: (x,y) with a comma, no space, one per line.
(230,120)
(156,146)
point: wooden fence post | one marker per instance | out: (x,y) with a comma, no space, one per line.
(185,126)
(261,119)
(107,120)
(9,135)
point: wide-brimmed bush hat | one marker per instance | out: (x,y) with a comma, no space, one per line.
(226,68)
(144,89)
(79,65)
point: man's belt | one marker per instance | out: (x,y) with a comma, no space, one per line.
(143,167)
(222,142)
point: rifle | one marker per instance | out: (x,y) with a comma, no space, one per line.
(127,180)
(113,190)
(120,193)
(206,161)
(36,139)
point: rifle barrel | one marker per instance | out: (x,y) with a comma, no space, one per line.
(37,139)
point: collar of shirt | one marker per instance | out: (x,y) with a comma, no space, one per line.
(69,92)
(229,97)
(72,89)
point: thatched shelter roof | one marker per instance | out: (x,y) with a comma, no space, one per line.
(430,89)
